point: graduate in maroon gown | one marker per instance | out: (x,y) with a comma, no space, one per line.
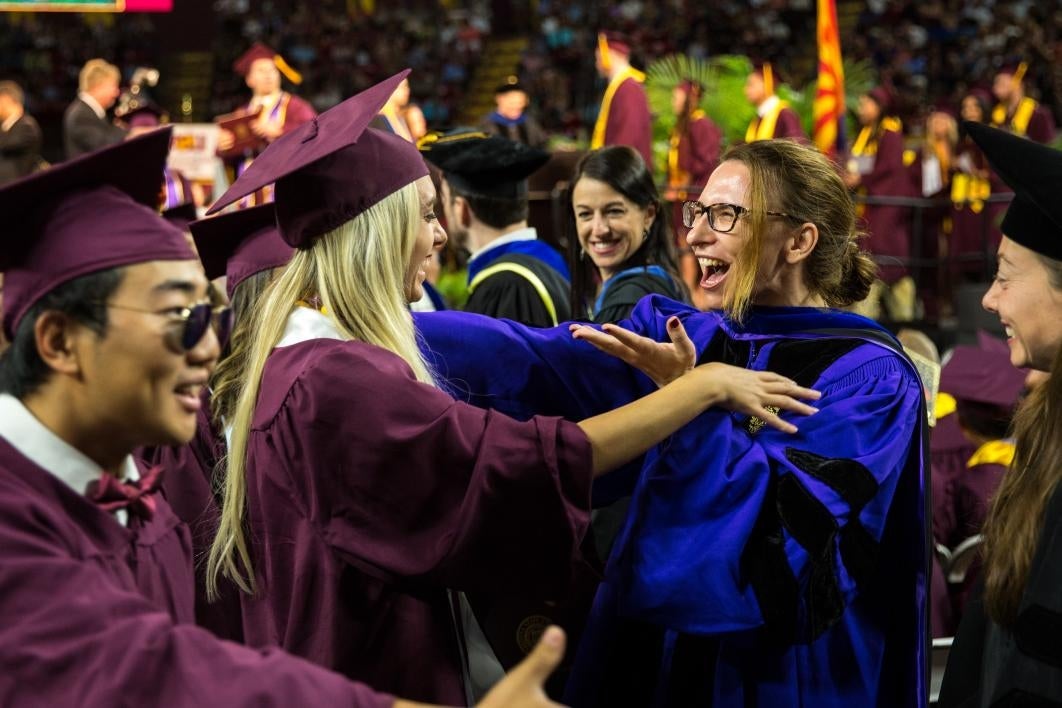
(693,153)
(623,118)
(695,145)
(876,169)
(111,346)
(360,499)
(279,112)
(774,118)
(1017,113)
(931,166)
(975,234)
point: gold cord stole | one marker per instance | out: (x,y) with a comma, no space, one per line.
(598,139)
(1019,124)
(763,128)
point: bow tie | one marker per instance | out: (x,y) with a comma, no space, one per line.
(136,497)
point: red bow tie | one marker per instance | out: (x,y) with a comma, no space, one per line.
(135,497)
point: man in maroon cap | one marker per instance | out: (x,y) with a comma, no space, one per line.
(624,115)
(111,347)
(876,169)
(774,118)
(1016,112)
(278,111)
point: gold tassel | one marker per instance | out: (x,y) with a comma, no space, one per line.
(602,48)
(1019,73)
(287,70)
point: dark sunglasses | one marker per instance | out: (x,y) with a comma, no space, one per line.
(196,319)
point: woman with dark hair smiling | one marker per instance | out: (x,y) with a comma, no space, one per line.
(621,249)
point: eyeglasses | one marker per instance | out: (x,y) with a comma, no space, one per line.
(191,323)
(721,217)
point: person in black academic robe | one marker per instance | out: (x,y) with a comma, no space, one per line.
(1007,650)
(511,118)
(512,273)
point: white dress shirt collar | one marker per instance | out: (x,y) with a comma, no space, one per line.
(48,451)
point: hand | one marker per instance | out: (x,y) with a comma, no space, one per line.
(265,130)
(225,139)
(852,179)
(522,687)
(762,394)
(661,362)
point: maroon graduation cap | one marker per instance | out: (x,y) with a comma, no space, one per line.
(983,373)
(260,50)
(331,169)
(882,96)
(239,244)
(93,213)
(614,40)
(1034,172)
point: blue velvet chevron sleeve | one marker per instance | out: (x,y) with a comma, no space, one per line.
(523,371)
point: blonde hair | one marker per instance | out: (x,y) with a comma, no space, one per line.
(371,251)
(95,71)
(801,182)
(227,377)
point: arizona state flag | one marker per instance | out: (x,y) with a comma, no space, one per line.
(828,108)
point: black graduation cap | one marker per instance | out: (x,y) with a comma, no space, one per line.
(1034,172)
(485,165)
(511,84)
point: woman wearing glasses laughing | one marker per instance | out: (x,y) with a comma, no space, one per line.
(755,567)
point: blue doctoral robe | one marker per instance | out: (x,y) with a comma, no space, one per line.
(756,568)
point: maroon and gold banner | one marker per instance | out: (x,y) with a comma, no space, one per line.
(828,108)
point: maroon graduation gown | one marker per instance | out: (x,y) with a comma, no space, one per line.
(629,122)
(973,493)
(888,227)
(369,494)
(949,451)
(698,151)
(1041,126)
(975,234)
(188,486)
(788,126)
(95,614)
